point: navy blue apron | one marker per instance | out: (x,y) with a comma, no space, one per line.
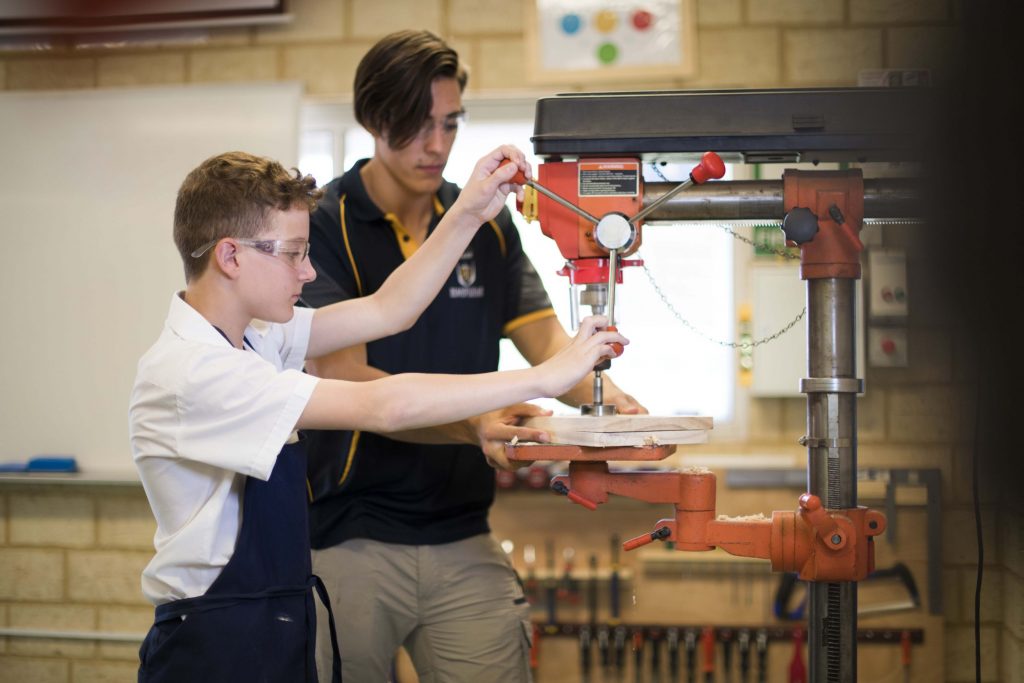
(257,622)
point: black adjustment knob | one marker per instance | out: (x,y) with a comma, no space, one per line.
(800,225)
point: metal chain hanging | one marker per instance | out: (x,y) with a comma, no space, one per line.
(784,253)
(730,344)
(742,238)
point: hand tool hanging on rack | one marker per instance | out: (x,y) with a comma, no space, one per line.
(551,586)
(587,630)
(743,643)
(672,645)
(655,637)
(797,669)
(613,581)
(530,583)
(905,655)
(638,656)
(761,642)
(690,643)
(707,639)
(725,635)
(568,591)
(619,644)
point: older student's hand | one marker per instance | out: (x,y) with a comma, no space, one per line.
(591,345)
(625,404)
(498,427)
(490,182)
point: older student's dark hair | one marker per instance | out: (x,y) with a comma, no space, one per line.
(393,80)
(230,195)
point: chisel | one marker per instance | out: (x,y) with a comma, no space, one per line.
(743,643)
(672,644)
(707,639)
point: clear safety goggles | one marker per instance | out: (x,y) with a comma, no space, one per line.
(292,252)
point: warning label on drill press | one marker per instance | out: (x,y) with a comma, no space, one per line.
(604,179)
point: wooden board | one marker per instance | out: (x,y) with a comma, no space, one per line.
(623,430)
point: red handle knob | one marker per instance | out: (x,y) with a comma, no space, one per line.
(711,166)
(818,517)
(905,648)
(634,543)
(519,178)
(616,346)
(580,500)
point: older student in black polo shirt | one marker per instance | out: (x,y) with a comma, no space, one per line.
(399,521)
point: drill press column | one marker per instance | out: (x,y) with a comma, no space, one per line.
(824,215)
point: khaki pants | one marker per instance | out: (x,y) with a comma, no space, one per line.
(457,608)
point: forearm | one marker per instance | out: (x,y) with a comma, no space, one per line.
(407,402)
(461,432)
(351,365)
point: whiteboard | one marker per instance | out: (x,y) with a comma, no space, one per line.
(88,181)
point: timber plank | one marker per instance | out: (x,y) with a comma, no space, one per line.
(620,423)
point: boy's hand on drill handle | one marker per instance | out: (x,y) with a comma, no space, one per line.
(490,183)
(591,345)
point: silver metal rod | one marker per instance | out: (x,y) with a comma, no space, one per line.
(613,264)
(598,388)
(649,208)
(558,200)
(72,635)
(762,200)
(832,464)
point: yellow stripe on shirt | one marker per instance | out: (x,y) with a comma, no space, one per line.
(348,247)
(516,323)
(351,455)
(501,238)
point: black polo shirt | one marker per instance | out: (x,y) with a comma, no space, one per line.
(364,485)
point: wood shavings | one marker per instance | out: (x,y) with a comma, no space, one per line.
(650,441)
(759,517)
(514,441)
(696,469)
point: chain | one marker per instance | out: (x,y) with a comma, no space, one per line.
(732,345)
(742,238)
(784,253)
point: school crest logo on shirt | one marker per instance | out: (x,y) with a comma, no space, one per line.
(465,276)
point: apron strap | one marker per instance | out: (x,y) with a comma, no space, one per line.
(321,590)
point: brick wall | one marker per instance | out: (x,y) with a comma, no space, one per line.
(741,43)
(70,557)
(71,560)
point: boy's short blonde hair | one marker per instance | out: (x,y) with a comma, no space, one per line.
(230,195)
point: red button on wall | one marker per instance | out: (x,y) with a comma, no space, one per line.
(888,346)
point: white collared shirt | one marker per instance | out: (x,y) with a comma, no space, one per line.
(203,415)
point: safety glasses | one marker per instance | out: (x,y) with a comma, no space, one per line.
(292,252)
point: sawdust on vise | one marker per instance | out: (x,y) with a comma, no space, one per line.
(759,517)
(696,469)
(650,441)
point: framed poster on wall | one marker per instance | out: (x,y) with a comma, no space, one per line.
(592,41)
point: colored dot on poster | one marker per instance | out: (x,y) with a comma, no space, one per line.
(606,20)
(642,20)
(571,23)
(607,53)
